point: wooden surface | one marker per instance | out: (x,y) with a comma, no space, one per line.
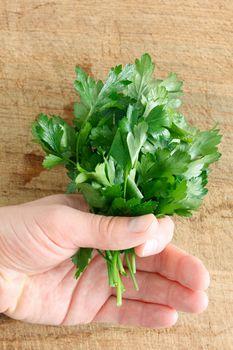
(40,44)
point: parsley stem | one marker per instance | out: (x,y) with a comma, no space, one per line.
(121,267)
(130,269)
(72,162)
(108,254)
(114,268)
(77,147)
(116,279)
(119,290)
(110,279)
(125,181)
(133,261)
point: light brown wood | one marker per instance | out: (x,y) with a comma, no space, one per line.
(40,44)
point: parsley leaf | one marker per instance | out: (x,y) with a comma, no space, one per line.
(55,136)
(51,160)
(81,260)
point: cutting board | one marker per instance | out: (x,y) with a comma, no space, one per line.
(40,44)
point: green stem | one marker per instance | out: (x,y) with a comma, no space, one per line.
(126,180)
(78,138)
(122,286)
(119,290)
(116,277)
(108,254)
(110,280)
(77,146)
(125,185)
(133,261)
(121,267)
(115,268)
(72,162)
(130,270)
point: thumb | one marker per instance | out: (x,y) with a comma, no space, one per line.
(105,232)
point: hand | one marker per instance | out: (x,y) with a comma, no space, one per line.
(37,281)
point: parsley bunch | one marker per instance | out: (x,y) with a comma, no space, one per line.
(129,152)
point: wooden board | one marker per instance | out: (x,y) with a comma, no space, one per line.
(40,44)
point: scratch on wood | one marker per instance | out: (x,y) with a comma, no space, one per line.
(44,5)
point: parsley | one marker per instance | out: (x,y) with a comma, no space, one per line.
(129,152)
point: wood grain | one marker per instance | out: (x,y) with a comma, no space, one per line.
(40,44)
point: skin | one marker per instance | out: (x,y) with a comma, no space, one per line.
(37,282)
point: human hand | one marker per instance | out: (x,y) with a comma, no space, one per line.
(37,281)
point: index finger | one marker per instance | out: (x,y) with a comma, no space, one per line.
(177,265)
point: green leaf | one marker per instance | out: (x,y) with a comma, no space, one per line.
(144,68)
(92,196)
(112,192)
(167,164)
(156,188)
(186,196)
(55,136)
(110,170)
(172,84)
(71,187)
(83,134)
(195,194)
(88,90)
(132,207)
(71,171)
(205,142)
(144,165)
(165,92)
(82,177)
(172,201)
(132,189)
(98,96)
(100,174)
(157,118)
(181,128)
(81,260)
(118,150)
(51,161)
(136,140)
(101,137)
(118,78)
(196,167)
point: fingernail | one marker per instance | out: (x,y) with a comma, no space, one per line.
(150,247)
(140,223)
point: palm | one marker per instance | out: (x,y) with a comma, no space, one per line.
(55,297)
(45,291)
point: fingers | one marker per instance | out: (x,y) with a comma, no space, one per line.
(156,289)
(162,236)
(74,228)
(148,234)
(90,295)
(137,313)
(177,265)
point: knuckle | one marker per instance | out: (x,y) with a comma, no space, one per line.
(59,198)
(55,213)
(106,228)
